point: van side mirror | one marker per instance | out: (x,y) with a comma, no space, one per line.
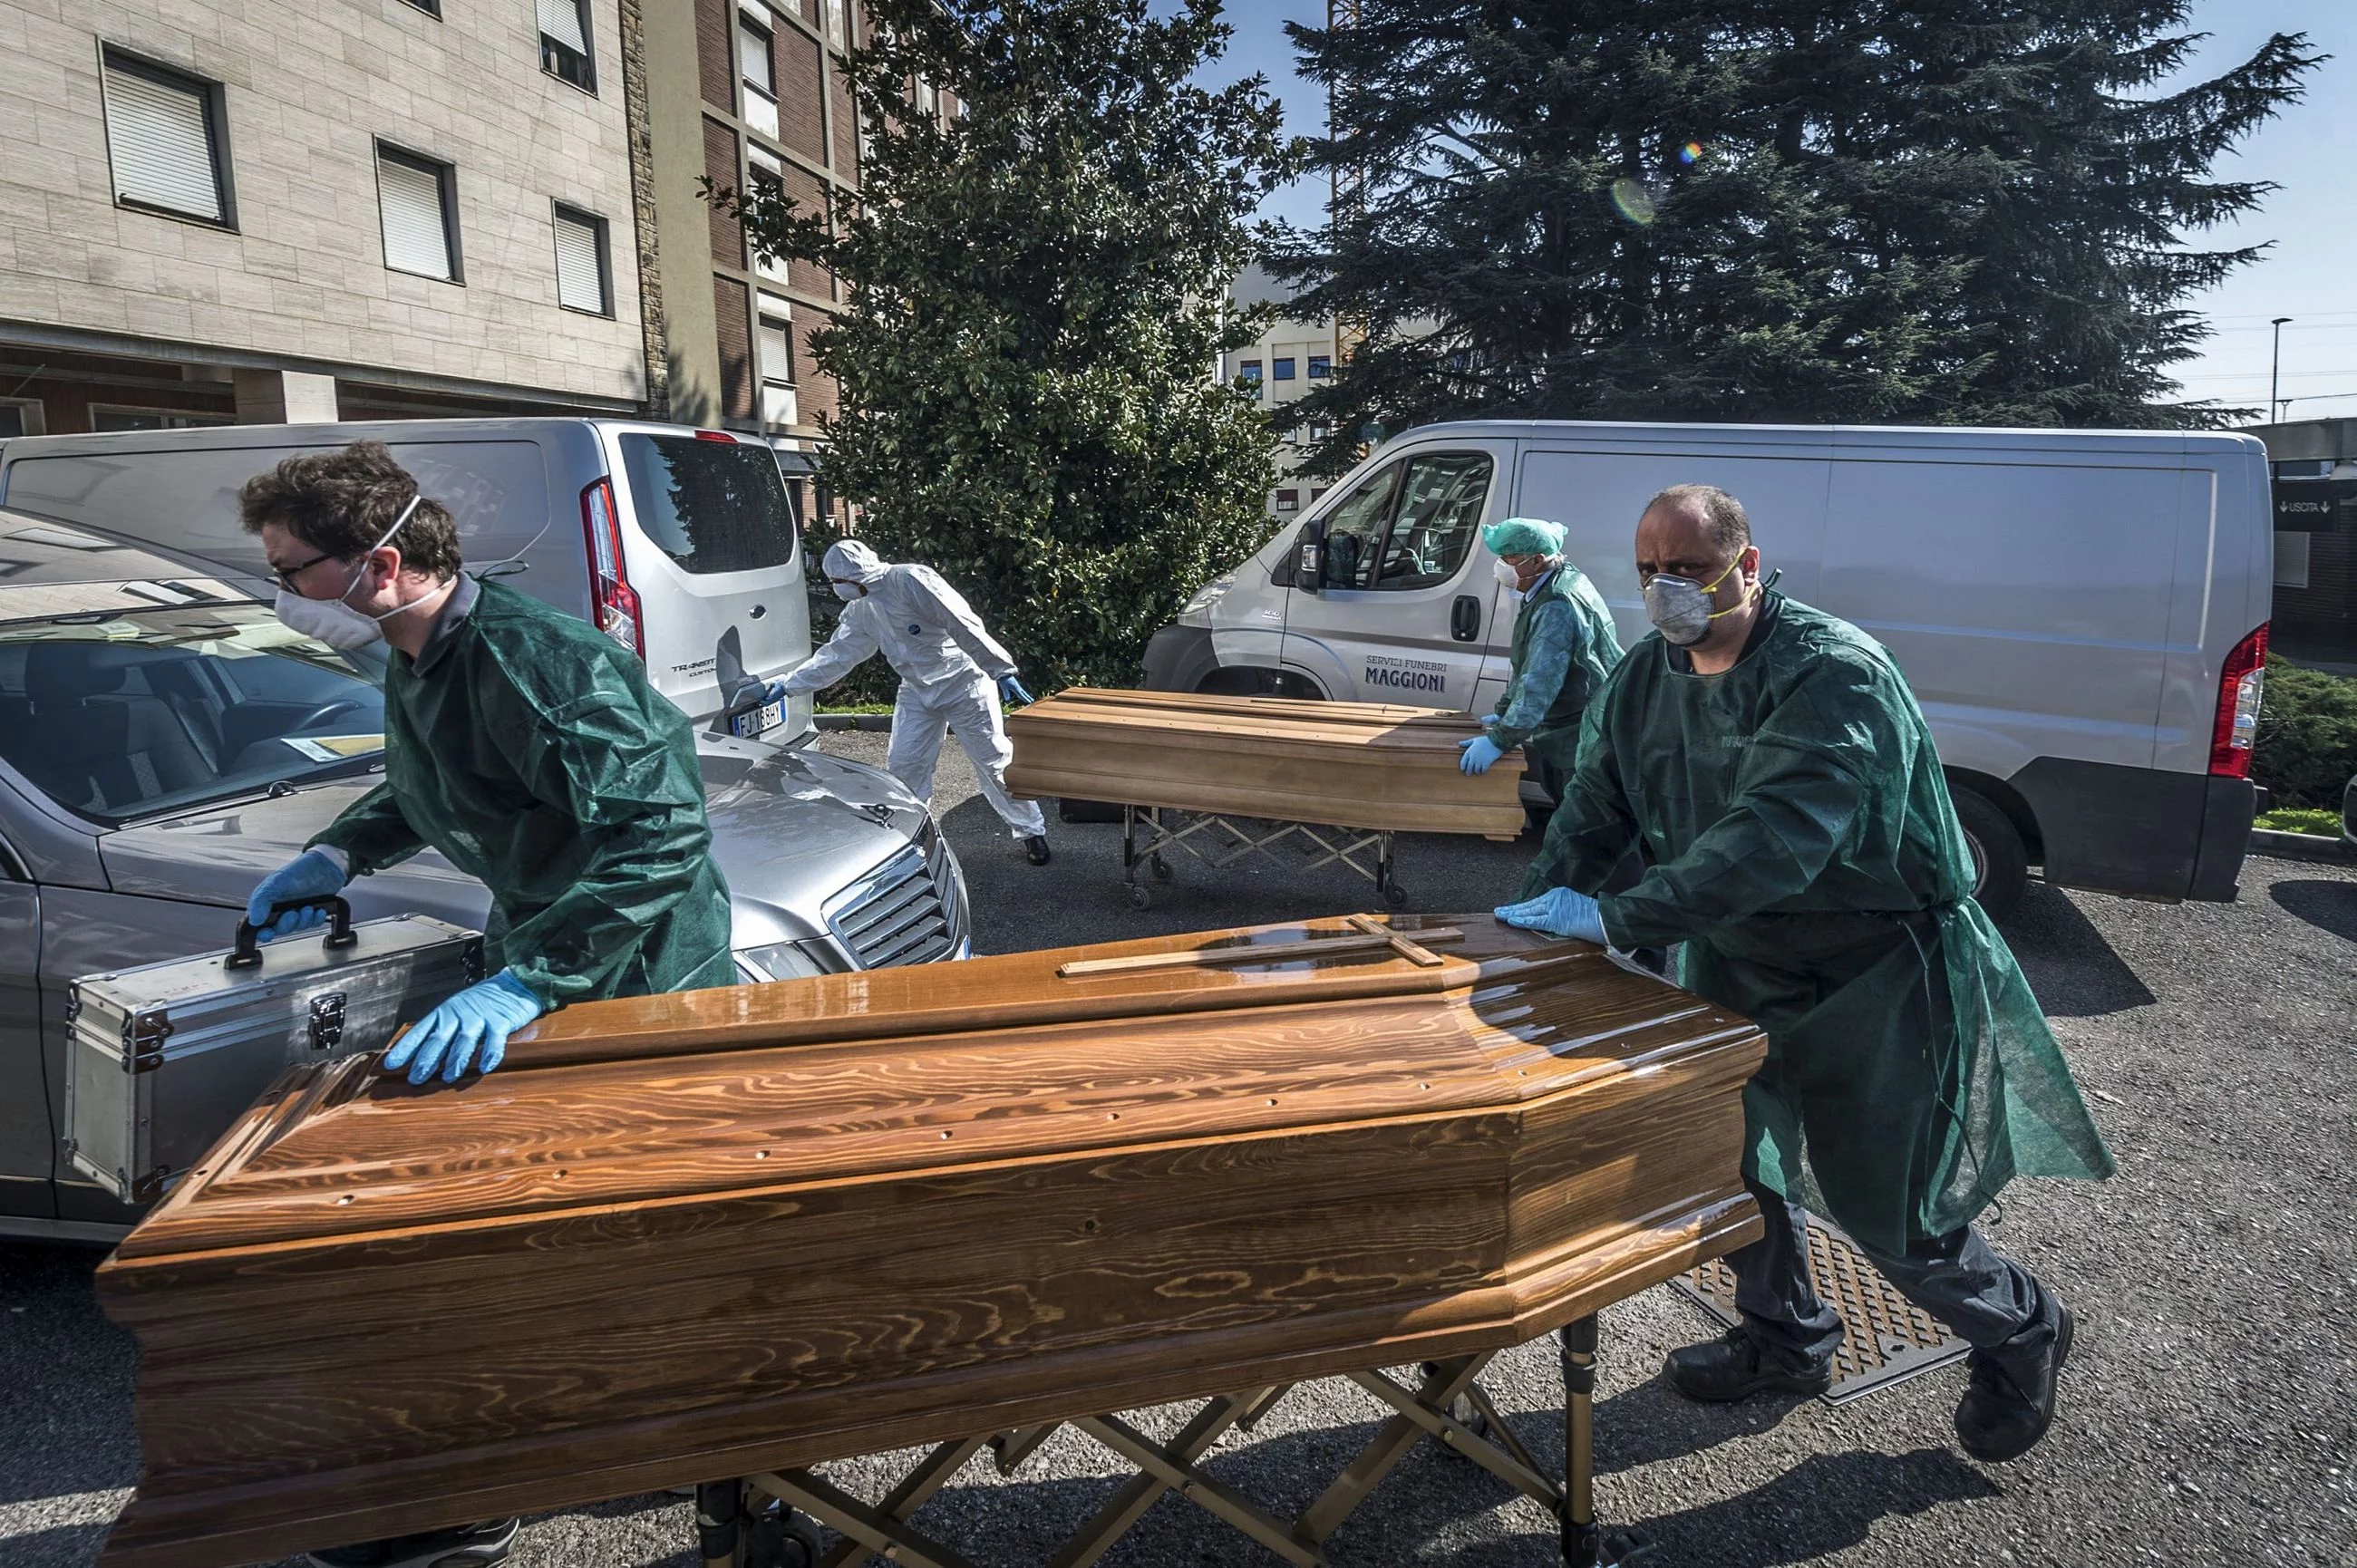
(1309,569)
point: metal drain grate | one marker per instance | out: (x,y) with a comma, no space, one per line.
(1890,1340)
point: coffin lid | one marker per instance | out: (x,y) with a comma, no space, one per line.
(613,1106)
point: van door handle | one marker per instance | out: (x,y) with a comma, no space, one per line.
(1464,618)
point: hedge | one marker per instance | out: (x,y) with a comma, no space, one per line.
(2306,749)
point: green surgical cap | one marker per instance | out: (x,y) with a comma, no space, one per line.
(1523,536)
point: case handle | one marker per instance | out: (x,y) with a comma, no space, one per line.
(247,951)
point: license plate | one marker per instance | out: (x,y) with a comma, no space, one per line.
(746,725)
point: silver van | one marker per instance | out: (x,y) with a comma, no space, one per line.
(680,544)
(2081,614)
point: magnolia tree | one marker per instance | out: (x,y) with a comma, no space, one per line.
(1028,361)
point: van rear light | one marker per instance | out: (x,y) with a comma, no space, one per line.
(715,435)
(2239,687)
(613,603)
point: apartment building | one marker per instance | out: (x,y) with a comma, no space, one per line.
(750,96)
(278,211)
(1291,359)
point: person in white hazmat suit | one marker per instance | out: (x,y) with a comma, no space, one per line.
(953,673)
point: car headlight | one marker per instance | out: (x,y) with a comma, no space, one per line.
(778,961)
(1209,594)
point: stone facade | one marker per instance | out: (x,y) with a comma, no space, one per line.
(298,280)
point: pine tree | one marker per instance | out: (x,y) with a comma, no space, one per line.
(1027,365)
(1893,211)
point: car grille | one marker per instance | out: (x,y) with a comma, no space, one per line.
(910,909)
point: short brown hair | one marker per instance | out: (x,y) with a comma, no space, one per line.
(339,503)
(1729,524)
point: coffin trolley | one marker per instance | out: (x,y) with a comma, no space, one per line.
(717,1238)
(1225,779)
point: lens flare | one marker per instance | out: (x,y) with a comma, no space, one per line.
(1632,201)
(1688,153)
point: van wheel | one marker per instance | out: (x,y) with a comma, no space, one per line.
(2001,861)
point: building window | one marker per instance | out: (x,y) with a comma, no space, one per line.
(431,8)
(1282,370)
(20,416)
(773,348)
(103,416)
(565,42)
(166,140)
(1289,500)
(418,200)
(1321,367)
(1248,372)
(835,33)
(582,272)
(767,176)
(754,63)
(1315,494)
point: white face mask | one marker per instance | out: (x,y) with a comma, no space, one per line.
(1505,572)
(846,591)
(333,621)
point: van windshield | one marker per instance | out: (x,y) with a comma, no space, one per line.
(118,715)
(711,505)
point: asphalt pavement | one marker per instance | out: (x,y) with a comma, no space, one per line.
(2207,1416)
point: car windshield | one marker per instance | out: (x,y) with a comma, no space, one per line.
(116,714)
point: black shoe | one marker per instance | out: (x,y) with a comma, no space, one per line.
(1035,849)
(2011,1402)
(469,1546)
(1736,1367)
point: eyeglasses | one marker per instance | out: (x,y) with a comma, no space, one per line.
(285,577)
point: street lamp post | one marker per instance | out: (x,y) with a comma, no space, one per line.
(2275,375)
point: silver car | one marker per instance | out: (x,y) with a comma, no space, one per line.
(165,743)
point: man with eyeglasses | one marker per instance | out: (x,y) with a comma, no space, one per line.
(528,748)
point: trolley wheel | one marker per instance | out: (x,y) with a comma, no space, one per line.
(1161,868)
(1395,896)
(781,1538)
(1139,898)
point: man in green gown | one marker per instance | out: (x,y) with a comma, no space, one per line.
(1771,760)
(525,746)
(1563,648)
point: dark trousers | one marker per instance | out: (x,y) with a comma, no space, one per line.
(1992,1303)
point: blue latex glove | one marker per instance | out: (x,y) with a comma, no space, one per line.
(751,694)
(310,874)
(477,1020)
(1559,912)
(1480,753)
(1010,689)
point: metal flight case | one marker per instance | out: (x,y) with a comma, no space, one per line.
(162,1058)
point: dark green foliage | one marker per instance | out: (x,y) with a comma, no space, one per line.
(1868,210)
(2306,749)
(1027,364)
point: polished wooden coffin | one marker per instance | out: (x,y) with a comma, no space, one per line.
(1354,764)
(693,1237)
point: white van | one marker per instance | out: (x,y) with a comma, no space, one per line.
(680,544)
(2081,614)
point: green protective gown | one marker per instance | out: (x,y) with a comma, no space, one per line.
(533,753)
(1563,648)
(1804,849)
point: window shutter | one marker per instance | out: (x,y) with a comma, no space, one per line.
(160,145)
(561,20)
(776,344)
(415,239)
(580,280)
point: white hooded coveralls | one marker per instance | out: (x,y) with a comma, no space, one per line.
(949,666)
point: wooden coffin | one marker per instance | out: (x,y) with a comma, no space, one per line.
(1354,764)
(694,1237)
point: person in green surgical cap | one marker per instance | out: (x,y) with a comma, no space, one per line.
(1804,851)
(1563,648)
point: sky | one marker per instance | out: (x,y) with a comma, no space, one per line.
(2309,274)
